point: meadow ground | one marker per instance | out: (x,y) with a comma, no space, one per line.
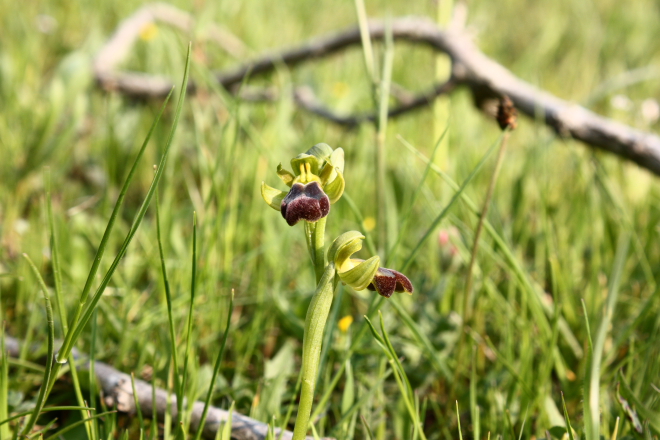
(568,229)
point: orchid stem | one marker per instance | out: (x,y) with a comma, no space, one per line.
(318,243)
(317,315)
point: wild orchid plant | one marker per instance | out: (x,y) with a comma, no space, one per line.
(316,183)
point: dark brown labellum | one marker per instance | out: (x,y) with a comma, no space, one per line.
(388,281)
(305,202)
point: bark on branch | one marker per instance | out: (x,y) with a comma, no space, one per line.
(117,390)
(470,68)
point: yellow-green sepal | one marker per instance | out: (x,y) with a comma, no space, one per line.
(362,274)
(286,175)
(337,159)
(343,247)
(321,151)
(272,196)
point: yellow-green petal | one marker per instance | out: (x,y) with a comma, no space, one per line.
(335,188)
(334,165)
(272,196)
(301,160)
(286,175)
(343,247)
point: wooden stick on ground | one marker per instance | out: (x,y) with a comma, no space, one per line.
(117,390)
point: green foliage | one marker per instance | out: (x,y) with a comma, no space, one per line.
(549,250)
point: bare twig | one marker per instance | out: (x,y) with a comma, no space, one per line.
(470,67)
(117,390)
(305,98)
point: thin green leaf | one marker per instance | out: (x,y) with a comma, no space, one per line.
(76,424)
(216,370)
(178,390)
(592,379)
(138,217)
(444,212)
(67,345)
(569,428)
(45,410)
(43,389)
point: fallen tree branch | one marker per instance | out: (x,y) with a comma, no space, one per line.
(117,48)
(305,98)
(470,67)
(117,390)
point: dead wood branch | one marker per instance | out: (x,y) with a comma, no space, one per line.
(305,98)
(117,390)
(117,48)
(470,67)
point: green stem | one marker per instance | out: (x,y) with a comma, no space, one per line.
(318,243)
(317,315)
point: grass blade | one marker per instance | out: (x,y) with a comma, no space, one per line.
(413,198)
(569,428)
(652,417)
(137,405)
(68,339)
(138,217)
(592,379)
(41,397)
(170,318)
(78,423)
(193,283)
(541,310)
(4,385)
(44,410)
(443,213)
(216,370)
(55,255)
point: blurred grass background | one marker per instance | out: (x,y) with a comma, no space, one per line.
(559,209)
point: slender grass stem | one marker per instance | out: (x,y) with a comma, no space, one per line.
(43,390)
(4,384)
(216,370)
(67,345)
(467,294)
(381,154)
(592,379)
(407,216)
(170,318)
(193,283)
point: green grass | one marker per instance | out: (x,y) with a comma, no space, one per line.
(560,312)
